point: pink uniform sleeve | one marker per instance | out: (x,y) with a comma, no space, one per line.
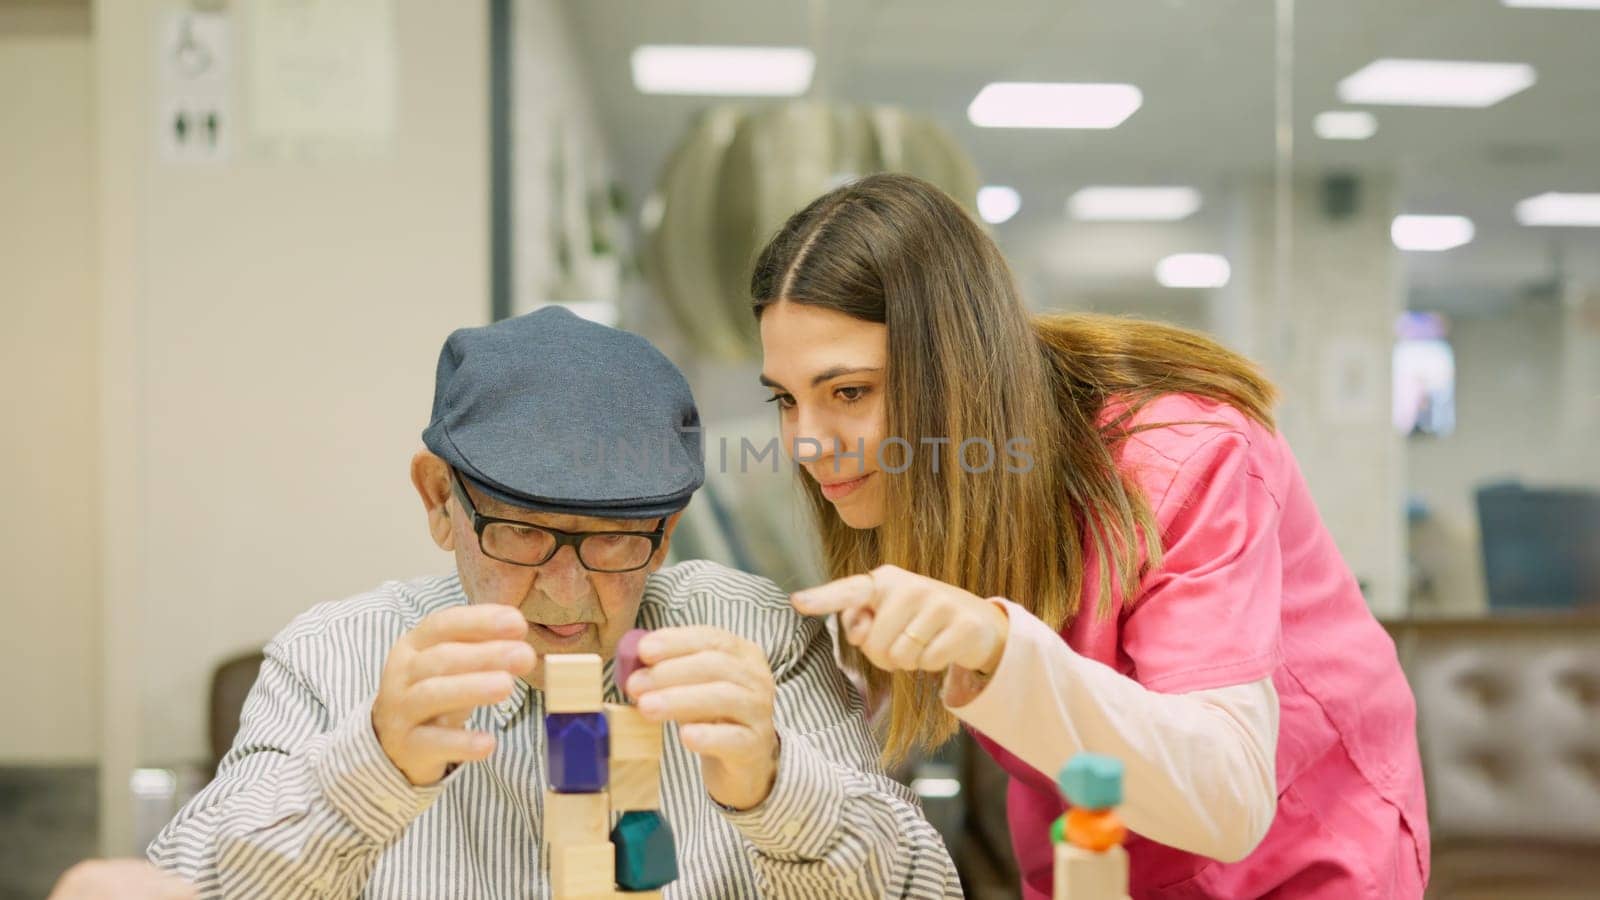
(1209,615)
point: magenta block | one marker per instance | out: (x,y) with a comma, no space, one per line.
(578,751)
(627,658)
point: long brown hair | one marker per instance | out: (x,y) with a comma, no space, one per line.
(966,360)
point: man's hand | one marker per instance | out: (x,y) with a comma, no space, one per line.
(718,687)
(454,661)
(121,879)
(905,621)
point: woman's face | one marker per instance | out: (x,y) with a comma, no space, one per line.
(826,372)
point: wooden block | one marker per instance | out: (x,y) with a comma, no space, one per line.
(631,736)
(635,784)
(576,818)
(572,683)
(582,871)
(1086,875)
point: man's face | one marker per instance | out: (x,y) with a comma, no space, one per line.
(569,608)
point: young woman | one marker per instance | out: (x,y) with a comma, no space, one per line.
(1083,533)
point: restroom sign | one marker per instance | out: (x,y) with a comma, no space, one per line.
(194,118)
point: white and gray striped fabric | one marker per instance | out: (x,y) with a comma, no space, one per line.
(306,804)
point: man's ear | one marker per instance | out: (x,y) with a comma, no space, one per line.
(430,475)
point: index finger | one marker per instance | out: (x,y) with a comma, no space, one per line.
(835,596)
(473,622)
(175,888)
(668,643)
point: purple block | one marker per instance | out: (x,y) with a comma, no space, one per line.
(627,658)
(578,751)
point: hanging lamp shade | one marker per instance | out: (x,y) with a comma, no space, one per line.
(740,172)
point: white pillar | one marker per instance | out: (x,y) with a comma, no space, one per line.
(1328,346)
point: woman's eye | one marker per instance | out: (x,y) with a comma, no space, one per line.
(851,394)
(784,401)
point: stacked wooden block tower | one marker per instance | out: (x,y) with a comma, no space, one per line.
(1090,861)
(602,757)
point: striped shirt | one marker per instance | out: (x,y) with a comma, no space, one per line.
(306,804)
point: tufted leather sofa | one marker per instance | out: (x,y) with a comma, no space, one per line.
(230,685)
(1508,720)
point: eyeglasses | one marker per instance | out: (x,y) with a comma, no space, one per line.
(524,544)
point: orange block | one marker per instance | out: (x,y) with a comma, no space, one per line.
(1094,829)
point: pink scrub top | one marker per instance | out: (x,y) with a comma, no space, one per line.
(1253,587)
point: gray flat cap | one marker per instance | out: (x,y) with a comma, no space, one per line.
(553,413)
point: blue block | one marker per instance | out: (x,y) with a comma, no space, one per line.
(647,857)
(578,751)
(1092,781)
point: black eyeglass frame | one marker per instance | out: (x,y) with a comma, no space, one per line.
(573,539)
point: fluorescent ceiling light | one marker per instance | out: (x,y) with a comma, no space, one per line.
(651,212)
(723,71)
(1025,104)
(1346,125)
(1553,4)
(936,788)
(1133,204)
(1427,82)
(1430,233)
(1554,209)
(153,782)
(1193,270)
(997,203)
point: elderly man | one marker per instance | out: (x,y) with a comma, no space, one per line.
(394,746)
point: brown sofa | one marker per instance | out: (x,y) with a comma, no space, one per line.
(1508,720)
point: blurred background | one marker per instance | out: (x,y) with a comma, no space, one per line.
(233,236)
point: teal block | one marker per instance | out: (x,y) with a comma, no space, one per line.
(1092,781)
(647,857)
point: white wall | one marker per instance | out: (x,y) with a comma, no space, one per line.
(270,330)
(1344,292)
(50,532)
(1528,408)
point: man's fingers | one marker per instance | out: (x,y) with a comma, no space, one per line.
(456,658)
(835,596)
(175,888)
(720,739)
(668,643)
(695,668)
(716,702)
(443,746)
(452,720)
(449,694)
(162,886)
(99,878)
(473,622)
